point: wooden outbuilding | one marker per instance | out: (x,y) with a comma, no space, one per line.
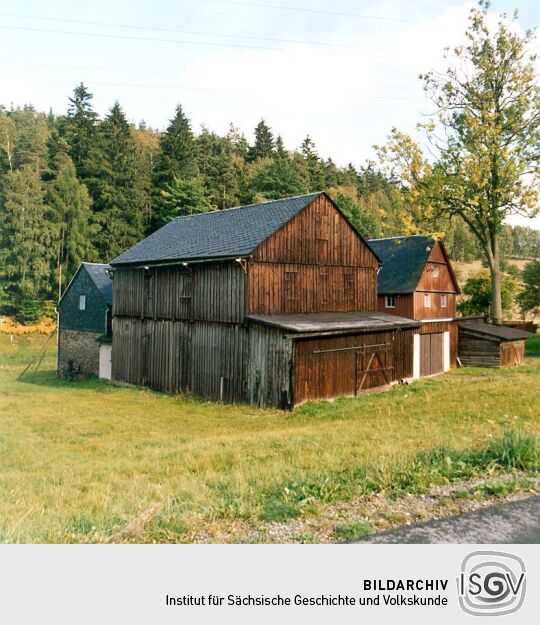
(84,323)
(271,304)
(484,344)
(417,281)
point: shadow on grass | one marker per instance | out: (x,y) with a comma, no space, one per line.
(49,378)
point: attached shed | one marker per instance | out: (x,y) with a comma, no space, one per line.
(483,344)
(84,323)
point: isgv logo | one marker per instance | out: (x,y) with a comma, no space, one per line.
(491,583)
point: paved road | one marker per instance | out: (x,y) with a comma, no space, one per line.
(514,522)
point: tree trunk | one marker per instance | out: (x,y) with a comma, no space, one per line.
(495,271)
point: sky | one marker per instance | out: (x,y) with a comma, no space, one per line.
(343,71)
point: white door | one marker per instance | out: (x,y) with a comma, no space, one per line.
(105,353)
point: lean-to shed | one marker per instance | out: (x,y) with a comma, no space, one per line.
(483,344)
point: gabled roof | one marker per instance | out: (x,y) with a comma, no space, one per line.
(493,332)
(230,233)
(99,275)
(101,278)
(403,261)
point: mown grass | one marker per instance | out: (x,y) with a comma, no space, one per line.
(94,462)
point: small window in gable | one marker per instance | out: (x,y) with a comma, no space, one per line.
(290,291)
(390,301)
(436,271)
(427,300)
(322,227)
(444,301)
(82,302)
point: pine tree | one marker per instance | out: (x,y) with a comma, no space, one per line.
(69,214)
(119,196)
(264,142)
(25,237)
(32,133)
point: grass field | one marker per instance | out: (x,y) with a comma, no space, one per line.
(94,462)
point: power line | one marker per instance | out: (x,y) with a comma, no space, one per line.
(264,5)
(133,37)
(190,32)
(152,72)
(189,88)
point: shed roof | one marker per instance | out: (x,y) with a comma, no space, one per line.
(234,232)
(493,332)
(403,260)
(331,323)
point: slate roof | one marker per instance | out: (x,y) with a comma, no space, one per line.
(403,260)
(234,232)
(101,278)
(493,332)
(333,323)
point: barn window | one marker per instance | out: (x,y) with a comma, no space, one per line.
(390,301)
(436,271)
(290,290)
(348,286)
(444,301)
(82,302)
(427,300)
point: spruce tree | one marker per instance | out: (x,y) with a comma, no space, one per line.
(80,131)
(264,142)
(119,197)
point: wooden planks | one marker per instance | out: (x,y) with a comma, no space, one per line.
(286,288)
(404,306)
(203,291)
(478,352)
(329,367)
(318,235)
(271,368)
(512,353)
(431,353)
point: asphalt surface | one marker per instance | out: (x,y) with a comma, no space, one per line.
(514,522)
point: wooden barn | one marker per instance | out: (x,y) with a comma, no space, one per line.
(417,281)
(271,304)
(84,323)
(483,344)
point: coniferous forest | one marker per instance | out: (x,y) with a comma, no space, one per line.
(79,187)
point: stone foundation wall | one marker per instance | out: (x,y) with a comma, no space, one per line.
(78,354)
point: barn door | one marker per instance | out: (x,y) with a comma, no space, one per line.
(431,353)
(374,366)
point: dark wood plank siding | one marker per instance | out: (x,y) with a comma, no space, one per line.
(318,235)
(204,291)
(434,326)
(478,352)
(204,358)
(328,367)
(271,370)
(278,288)
(404,306)
(435,311)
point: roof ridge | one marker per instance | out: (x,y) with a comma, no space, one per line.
(402,236)
(85,262)
(235,208)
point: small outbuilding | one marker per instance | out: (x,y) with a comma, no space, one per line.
(84,323)
(482,344)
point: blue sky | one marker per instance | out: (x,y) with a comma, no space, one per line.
(240,60)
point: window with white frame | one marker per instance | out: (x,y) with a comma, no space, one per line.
(435,271)
(390,301)
(427,300)
(444,301)
(82,302)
